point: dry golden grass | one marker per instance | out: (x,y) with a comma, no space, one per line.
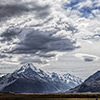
(22,96)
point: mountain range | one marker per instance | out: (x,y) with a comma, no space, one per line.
(29,79)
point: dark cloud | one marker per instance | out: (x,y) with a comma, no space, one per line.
(40,11)
(12,10)
(47,55)
(30,60)
(17,9)
(43,12)
(9,34)
(4,56)
(89,59)
(40,41)
(30,41)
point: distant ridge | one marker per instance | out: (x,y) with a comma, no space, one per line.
(90,85)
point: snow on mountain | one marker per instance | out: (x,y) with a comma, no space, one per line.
(29,79)
(2,74)
(72,79)
(91,84)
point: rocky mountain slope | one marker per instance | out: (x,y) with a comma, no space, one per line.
(29,79)
(91,84)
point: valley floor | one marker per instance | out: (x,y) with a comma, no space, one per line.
(18,96)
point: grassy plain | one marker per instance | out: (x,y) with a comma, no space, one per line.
(36,96)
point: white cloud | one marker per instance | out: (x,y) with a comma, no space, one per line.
(86,57)
(40,30)
(47,20)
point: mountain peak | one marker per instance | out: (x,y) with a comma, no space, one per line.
(97,73)
(27,67)
(29,79)
(94,77)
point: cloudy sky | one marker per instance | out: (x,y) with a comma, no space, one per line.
(56,35)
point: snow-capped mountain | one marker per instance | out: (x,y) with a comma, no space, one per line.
(29,79)
(91,84)
(2,74)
